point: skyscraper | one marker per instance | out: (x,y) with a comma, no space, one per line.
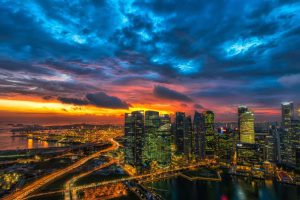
(179,132)
(287,113)
(198,126)
(246,123)
(134,139)
(241,109)
(163,141)
(188,137)
(152,123)
(129,140)
(210,144)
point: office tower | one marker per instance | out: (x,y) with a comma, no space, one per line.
(246,123)
(287,109)
(198,126)
(134,139)
(287,113)
(298,158)
(188,138)
(163,156)
(152,123)
(272,145)
(241,110)
(129,140)
(179,132)
(295,141)
(210,145)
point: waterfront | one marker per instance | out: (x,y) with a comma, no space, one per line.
(231,187)
(9,142)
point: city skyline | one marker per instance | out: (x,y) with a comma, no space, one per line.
(149,99)
(91,61)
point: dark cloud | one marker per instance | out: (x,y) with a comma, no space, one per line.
(48,97)
(101,99)
(79,102)
(198,106)
(166,93)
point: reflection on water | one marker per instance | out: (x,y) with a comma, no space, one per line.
(7,142)
(30,143)
(45,144)
(236,188)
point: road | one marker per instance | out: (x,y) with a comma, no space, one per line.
(71,194)
(144,177)
(22,193)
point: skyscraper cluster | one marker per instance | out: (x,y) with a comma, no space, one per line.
(150,138)
(147,139)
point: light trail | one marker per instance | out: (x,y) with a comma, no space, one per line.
(25,191)
(69,193)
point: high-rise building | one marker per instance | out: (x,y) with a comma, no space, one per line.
(129,140)
(295,141)
(134,139)
(198,126)
(241,110)
(210,145)
(298,158)
(287,111)
(246,123)
(147,139)
(163,155)
(188,138)
(179,132)
(272,145)
(152,123)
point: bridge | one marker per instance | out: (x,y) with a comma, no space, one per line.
(70,192)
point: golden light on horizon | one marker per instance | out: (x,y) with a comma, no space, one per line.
(31,106)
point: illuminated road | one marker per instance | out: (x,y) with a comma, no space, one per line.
(142,178)
(71,194)
(162,174)
(22,193)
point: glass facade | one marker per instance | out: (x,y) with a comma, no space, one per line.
(246,124)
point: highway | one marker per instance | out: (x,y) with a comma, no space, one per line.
(25,191)
(71,194)
(143,177)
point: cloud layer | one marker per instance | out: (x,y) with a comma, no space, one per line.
(99,99)
(217,54)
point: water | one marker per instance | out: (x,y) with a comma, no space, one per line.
(7,142)
(236,188)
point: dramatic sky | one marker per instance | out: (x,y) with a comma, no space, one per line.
(92,61)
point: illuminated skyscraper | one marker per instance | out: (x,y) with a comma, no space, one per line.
(163,141)
(199,132)
(287,111)
(295,141)
(179,132)
(134,139)
(210,144)
(152,123)
(246,123)
(129,140)
(241,110)
(188,137)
